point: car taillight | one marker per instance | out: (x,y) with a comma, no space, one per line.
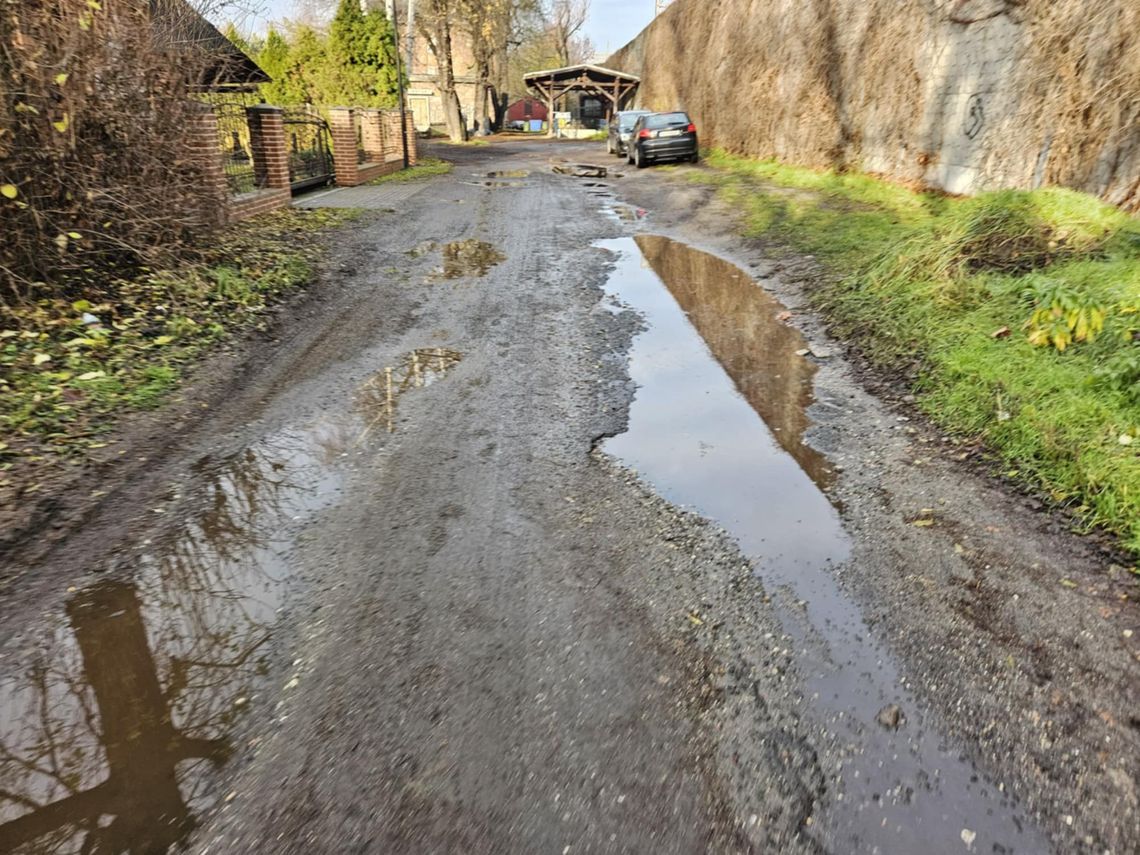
(692,129)
(644,134)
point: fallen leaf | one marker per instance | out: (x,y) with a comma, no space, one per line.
(9,191)
(1003,332)
(1068,583)
(91,375)
(40,359)
(164,339)
(1125,439)
(923,523)
(696,621)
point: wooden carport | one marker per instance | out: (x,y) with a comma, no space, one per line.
(616,86)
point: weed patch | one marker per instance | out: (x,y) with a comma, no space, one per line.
(69,368)
(1014,316)
(426,168)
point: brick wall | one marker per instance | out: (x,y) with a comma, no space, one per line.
(267,142)
(382,140)
(202,145)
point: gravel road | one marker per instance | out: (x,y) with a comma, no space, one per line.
(384,580)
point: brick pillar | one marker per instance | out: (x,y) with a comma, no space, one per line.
(205,150)
(413,146)
(343,127)
(392,145)
(267,142)
(371,125)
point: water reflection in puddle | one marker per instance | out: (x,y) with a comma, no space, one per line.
(420,368)
(111,724)
(469,258)
(509,173)
(718,424)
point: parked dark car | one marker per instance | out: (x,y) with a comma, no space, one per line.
(663,136)
(620,127)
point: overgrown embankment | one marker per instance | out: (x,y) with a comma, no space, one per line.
(1013,316)
(962,95)
(71,367)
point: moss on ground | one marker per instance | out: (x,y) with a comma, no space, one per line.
(1014,316)
(70,368)
(426,168)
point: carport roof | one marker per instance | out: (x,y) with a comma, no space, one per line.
(574,72)
(553,83)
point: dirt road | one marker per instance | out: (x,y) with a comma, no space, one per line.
(410,574)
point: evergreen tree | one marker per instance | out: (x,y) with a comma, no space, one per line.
(362,56)
(275,60)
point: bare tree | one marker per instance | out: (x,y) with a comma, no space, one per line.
(567,17)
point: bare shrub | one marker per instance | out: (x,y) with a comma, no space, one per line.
(95,159)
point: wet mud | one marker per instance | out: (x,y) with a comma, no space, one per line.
(719,424)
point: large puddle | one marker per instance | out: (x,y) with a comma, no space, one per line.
(113,720)
(718,425)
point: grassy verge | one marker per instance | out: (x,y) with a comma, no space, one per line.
(70,367)
(426,168)
(1014,316)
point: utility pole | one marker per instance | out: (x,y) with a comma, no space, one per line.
(400,77)
(411,34)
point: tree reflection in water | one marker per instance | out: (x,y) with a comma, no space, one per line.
(740,323)
(107,730)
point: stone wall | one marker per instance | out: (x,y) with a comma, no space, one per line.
(962,95)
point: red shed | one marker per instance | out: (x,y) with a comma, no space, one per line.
(525,109)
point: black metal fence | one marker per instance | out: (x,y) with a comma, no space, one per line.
(237,156)
(310,150)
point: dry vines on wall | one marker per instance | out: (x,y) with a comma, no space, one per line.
(96,174)
(1084,71)
(872,84)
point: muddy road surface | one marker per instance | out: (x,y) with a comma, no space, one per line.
(550,520)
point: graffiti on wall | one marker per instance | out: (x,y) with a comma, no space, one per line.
(975,116)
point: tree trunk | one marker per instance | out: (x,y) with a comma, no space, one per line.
(436,28)
(451,107)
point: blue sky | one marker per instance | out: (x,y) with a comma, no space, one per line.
(612,23)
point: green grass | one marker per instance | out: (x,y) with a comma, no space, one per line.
(948,293)
(426,168)
(64,382)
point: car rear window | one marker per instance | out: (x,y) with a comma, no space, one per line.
(627,122)
(666,120)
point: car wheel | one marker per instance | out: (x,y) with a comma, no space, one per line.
(640,162)
(609,146)
(629,154)
(694,157)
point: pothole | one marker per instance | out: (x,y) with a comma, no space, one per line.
(114,719)
(378,396)
(509,173)
(582,170)
(469,258)
(718,424)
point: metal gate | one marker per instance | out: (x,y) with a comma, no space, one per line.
(310,152)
